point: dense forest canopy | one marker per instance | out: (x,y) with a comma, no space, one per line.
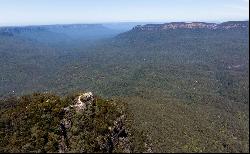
(187,85)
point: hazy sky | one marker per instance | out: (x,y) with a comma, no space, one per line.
(26,12)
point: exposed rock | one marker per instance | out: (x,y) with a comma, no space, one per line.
(192,25)
(117,136)
(82,102)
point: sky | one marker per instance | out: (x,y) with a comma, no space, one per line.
(38,12)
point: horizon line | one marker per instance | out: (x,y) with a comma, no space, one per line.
(113,22)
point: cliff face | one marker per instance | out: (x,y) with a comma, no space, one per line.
(193,25)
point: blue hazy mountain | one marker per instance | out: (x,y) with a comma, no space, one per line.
(61,33)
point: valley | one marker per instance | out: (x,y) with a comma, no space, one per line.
(186,84)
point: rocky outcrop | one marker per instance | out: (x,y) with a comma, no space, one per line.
(117,136)
(81,103)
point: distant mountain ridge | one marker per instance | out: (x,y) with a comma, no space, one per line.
(59,33)
(47,27)
(193,25)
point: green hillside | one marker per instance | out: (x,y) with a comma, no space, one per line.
(186,89)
